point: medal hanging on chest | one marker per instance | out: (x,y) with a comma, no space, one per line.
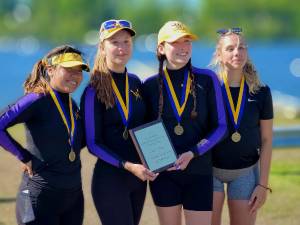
(177,107)
(70,124)
(236,137)
(235,113)
(178,129)
(123,107)
(72,155)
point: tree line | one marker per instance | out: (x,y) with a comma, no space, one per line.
(60,20)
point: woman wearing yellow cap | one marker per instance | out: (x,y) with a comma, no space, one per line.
(189,101)
(112,105)
(242,160)
(51,191)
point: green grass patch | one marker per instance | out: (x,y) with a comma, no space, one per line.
(282,121)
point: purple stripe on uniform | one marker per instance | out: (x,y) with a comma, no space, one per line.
(9,116)
(217,134)
(90,130)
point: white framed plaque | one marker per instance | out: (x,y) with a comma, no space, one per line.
(154,146)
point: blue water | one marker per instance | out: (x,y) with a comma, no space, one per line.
(272,62)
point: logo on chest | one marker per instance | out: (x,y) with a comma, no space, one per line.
(251,100)
(136,94)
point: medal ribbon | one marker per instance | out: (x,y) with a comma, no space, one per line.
(178,108)
(123,109)
(235,113)
(71,126)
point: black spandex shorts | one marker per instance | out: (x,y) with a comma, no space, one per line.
(193,191)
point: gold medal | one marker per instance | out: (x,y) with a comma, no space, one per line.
(125,134)
(236,137)
(178,129)
(72,156)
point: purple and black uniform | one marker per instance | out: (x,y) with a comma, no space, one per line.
(118,194)
(191,187)
(56,179)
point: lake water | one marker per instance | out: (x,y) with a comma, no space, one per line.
(272,61)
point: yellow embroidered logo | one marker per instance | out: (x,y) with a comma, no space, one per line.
(136,94)
(178,27)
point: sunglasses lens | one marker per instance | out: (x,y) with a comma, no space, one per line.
(222,31)
(125,23)
(236,30)
(110,24)
(114,23)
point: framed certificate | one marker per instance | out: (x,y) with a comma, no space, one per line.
(154,146)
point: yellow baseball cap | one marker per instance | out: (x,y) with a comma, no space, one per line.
(173,30)
(110,27)
(68,60)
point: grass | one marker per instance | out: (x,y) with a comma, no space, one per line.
(282,207)
(280,120)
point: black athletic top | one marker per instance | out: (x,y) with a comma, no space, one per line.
(104,127)
(230,155)
(47,138)
(210,123)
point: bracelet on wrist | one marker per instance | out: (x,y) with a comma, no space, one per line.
(266,187)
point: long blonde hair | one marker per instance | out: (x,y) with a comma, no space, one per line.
(38,80)
(249,71)
(101,79)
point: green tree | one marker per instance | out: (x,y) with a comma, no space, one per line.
(65,20)
(261,19)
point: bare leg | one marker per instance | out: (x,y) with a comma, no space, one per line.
(169,215)
(197,217)
(239,212)
(218,202)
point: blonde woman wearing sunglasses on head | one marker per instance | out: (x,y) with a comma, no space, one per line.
(242,160)
(112,104)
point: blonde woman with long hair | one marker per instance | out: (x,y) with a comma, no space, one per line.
(242,160)
(113,104)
